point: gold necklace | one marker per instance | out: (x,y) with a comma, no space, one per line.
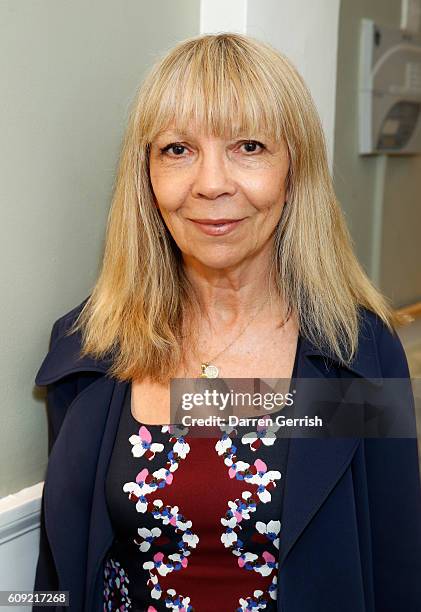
(210,370)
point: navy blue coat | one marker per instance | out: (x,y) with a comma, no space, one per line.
(351,521)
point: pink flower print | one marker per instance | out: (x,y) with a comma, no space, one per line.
(250,561)
(158,564)
(271,563)
(183,561)
(143,445)
(163,475)
(246,558)
(142,476)
(263,479)
(237,511)
(237,468)
(139,489)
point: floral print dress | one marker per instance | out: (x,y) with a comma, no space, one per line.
(196,520)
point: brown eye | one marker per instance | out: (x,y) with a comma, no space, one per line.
(177,148)
(251,145)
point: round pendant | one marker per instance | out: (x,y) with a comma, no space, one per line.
(209,371)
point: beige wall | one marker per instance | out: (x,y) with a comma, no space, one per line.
(380,194)
(69,72)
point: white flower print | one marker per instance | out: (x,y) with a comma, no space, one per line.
(228,538)
(148,536)
(270,529)
(142,444)
(265,434)
(190,539)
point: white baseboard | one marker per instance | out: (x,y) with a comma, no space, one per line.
(19,540)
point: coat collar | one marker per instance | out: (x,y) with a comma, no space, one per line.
(63,359)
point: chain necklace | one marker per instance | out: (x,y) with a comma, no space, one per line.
(210,370)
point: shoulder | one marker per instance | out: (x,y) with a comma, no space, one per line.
(392,356)
(389,349)
(63,357)
(65,321)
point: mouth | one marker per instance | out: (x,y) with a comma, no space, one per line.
(217,227)
(216,221)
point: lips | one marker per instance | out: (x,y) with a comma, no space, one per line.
(215,221)
(216,227)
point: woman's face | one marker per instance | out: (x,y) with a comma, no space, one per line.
(201,183)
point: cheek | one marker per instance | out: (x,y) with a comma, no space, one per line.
(267,194)
(169,190)
(266,183)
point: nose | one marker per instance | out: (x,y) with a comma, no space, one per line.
(213,176)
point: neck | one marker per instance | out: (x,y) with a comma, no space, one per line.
(229,295)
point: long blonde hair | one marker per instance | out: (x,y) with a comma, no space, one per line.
(226,83)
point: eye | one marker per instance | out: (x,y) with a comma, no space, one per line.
(176,146)
(250,144)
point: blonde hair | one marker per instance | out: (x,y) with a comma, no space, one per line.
(226,83)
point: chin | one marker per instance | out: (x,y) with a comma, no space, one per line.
(220,262)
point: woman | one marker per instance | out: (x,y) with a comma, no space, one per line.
(226,255)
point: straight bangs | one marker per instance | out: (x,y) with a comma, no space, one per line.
(214,85)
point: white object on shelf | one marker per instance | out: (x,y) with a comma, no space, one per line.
(389,90)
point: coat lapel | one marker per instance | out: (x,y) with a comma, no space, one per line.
(316,464)
(74,489)
(101,533)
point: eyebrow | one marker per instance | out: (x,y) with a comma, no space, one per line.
(173,133)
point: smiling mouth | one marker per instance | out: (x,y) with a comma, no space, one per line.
(216,227)
(216,221)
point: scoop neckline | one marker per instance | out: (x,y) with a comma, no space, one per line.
(292,380)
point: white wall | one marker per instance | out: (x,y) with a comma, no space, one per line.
(223,16)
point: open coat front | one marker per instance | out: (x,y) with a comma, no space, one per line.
(351,521)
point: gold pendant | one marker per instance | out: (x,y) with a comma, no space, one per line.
(209,371)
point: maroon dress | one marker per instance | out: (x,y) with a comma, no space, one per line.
(196,519)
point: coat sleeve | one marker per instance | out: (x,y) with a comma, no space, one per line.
(59,396)
(395,499)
